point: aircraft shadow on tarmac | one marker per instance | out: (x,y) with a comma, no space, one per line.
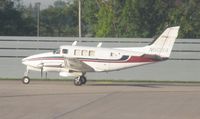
(133,85)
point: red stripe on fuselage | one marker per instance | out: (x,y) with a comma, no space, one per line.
(140,59)
(132,59)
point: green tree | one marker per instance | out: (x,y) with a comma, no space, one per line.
(188,18)
(127,26)
(13,22)
(105,16)
(59,20)
(90,9)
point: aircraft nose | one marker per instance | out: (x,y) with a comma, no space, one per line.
(25,60)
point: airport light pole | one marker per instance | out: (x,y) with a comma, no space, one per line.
(38,18)
(79,17)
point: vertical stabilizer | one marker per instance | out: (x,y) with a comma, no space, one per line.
(164,44)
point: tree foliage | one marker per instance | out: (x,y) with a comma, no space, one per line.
(102,18)
(59,20)
(89,17)
(12,21)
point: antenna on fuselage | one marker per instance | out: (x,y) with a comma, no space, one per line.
(99,45)
(74,43)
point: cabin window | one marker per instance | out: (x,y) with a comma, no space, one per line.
(84,53)
(91,53)
(65,51)
(77,52)
(113,54)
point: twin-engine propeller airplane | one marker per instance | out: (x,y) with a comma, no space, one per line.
(75,61)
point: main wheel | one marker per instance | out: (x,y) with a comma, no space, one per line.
(77,81)
(26,80)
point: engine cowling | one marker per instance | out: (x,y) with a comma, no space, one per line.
(70,74)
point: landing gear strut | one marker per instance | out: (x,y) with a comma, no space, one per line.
(80,81)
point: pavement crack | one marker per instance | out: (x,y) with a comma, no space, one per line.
(85,105)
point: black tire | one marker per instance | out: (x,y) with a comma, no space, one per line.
(26,80)
(83,79)
(77,81)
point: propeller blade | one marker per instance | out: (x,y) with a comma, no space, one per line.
(46,75)
(41,72)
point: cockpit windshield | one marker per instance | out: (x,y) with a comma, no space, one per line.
(57,51)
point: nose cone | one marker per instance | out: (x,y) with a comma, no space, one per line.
(31,61)
(35,60)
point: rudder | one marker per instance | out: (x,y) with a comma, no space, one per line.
(163,45)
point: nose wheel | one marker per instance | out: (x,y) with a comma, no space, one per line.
(80,81)
(25,80)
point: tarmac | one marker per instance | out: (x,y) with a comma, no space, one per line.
(98,100)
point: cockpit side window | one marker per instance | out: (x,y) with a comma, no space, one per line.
(56,51)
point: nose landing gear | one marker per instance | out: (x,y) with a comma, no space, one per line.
(26,79)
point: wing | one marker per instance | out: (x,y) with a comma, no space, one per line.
(77,65)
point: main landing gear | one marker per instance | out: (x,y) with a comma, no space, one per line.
(80,81)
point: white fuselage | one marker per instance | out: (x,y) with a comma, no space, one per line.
(99,59)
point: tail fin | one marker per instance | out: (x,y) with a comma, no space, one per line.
(164,44)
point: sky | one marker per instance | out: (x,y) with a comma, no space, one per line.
(44,3)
